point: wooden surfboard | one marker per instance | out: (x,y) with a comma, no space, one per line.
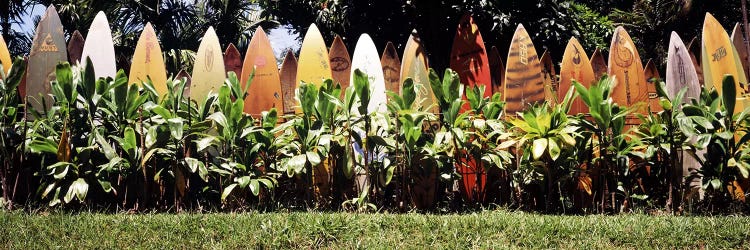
(497,71)
(47,50)
(5,59)
(341,63)
(100,47)
(148,61)
(524,84)
(75,47)
(598,64)
(680,70)
(739,43)
(184,75)
(626,66)
(233,60)
(265,91)
(313,65)
(391,68)
(366,59)
(208,70)
(414,66)
(652,78)
(692,47)
(288,76)
(549,76)
(469,57)
(575,65)
(719,58)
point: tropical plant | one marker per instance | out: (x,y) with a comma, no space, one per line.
(10,140)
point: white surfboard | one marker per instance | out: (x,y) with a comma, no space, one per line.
(208,69)
(680,70)
(100,48)
(367,60)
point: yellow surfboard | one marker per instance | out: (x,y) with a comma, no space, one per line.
(626,66)
(575,65)
(313,65)
(719,57)
(265,90)
(5,56)
(414,66)
(208,69)
(148,61)
(738,39)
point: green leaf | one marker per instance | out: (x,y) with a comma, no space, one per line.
(538,148)
(227,191)
(729,94)
(78,189)
(176,127)
(313,158)
(255,187)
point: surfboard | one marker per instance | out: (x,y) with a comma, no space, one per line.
(692,47)
(549,76)
(313,65)
(719,58)
(739,43)
(598,64)
(469,57)
(391,68)
(148,62)
(341,63)
(22,85)
(100,47)
(652,78)
(265,91)
(414,66)
(625,65)
(497,71)
(5,59)
(680,70)
(233,60)
(75,47)
(288,76)
(524,84)
(681,74)
(208,70)
(47,50)
(366,59)
(575,65)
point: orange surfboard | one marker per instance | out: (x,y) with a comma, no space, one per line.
(652,78)
(738,39)
(265,90)
(469,57)
(148,61)
(598,64)
(469,60)
(575,66)
(75,47)
(47,50)
(497,71)
(5,59)
(341,63)
(626,66)
(414,66)
(391,68)
(549,77)
(288,76)
(524,84)
(719,57)
(233,60)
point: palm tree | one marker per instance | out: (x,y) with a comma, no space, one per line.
(11,12)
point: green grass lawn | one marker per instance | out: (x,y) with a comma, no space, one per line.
(492,229)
